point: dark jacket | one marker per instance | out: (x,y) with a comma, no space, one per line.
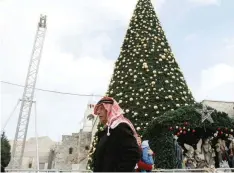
(118,152)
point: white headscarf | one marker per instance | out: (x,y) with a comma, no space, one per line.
(145,144)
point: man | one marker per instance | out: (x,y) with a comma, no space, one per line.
(117,149)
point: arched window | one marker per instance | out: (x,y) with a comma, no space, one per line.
(70,150)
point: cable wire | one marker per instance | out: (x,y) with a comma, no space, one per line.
(52,91)
(10,116)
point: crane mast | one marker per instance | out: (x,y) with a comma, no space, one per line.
(28,95)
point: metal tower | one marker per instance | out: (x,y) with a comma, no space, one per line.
(28,94)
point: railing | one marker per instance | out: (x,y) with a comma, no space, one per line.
(45,171)
(208,170)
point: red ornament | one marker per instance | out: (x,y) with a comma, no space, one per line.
(218,129)
(194,131)
(185,123)
(178,134)
(180,128)
(184,132)
(221,132)
(171,128)
(226,129)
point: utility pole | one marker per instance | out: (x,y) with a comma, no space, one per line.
(28,95)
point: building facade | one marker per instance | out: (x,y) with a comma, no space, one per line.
(72,152)
(69,154)
(30,156)
(221,106)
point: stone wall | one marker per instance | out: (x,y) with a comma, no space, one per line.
(69,154)
(84,149)
(63,159)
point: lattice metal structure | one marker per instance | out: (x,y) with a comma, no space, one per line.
(28,95)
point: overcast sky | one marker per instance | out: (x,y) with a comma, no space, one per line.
(83,41)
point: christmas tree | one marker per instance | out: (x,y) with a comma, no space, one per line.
(147,81)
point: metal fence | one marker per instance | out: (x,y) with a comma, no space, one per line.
(45,171)
(217,170)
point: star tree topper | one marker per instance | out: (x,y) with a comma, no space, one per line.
(205,114)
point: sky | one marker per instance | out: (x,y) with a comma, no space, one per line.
(83,41)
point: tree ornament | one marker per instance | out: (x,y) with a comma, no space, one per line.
(205,114)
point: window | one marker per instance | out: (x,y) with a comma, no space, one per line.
(30,165)
(70,150)
(86,147)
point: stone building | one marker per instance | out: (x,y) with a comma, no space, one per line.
(69,154)
(30,158)
(222,106)
(72,152)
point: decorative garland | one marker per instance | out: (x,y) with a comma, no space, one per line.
(178,131)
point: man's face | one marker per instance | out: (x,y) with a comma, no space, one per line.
(102,114)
